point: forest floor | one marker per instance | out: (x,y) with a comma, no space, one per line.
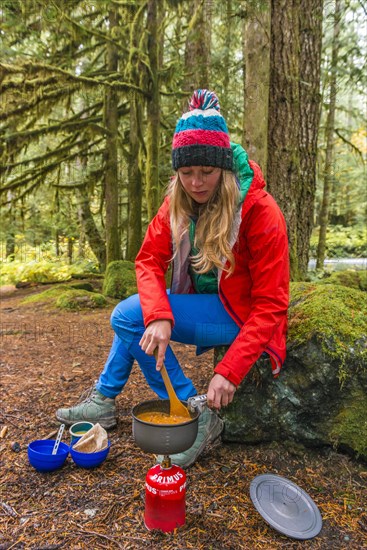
(48,358)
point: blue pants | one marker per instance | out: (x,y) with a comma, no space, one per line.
(200,319)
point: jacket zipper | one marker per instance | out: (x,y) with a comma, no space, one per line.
(274,353)
(172,267)
(229,308)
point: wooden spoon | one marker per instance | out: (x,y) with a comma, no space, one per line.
(176,407)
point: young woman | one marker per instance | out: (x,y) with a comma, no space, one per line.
(226,242)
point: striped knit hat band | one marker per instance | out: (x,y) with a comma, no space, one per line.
(201,135)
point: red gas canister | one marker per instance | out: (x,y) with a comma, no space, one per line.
(165,491)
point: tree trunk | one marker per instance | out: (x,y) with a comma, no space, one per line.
(256,52)
(81,240)
(10,234)
(283,165)
(135,181)
(95,240)
(10,245)
(152,190)
(309,118)
(329,135)
(225,96)
(197,51)
(348,216)
(57,242)
(111,169)
(70,249)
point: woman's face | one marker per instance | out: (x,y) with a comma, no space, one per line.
(200,182)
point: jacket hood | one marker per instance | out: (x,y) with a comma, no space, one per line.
(248,173)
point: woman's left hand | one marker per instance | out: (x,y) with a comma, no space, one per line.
(220,392)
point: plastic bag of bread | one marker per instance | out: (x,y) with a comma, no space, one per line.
(94,440)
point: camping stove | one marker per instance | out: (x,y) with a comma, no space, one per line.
(165,483)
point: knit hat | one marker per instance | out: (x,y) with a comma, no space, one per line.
(201,135)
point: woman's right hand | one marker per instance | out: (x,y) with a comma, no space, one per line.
(157,335)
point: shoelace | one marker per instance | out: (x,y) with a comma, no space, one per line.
(87,394)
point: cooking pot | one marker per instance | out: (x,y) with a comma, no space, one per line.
(164,439)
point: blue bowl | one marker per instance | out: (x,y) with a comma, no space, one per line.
(40,455)
(90,460)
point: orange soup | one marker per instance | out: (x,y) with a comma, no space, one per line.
(162,418)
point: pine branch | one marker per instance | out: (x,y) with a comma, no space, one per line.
(351,145)
(70,185)
(102,36)
(42,158)
(99,54)
(28,85)
(34,67)
(70,125)
(38,172)
(363,7)
(40,98)
(93,108)
(44,130)
(22,195)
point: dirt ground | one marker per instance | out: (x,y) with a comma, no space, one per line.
(48,358)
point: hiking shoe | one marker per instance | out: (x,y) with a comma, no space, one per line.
(210,428)
(95,408)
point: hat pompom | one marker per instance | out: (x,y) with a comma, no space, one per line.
(204,99)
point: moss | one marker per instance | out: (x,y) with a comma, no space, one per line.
(349,278)
(120,280)
(78,299)
(48,295)
(350,428)
(334,315)
(67,297)
(87,275)
(83,286)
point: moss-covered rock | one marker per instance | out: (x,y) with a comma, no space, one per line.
(349,278)
(83,286)
(350,426)
(80,299)
(47,296)
(320,397)
(67,297)
(333,316)
(120,280)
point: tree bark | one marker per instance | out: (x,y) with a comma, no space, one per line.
(57,242)
(81,239)
(198,50)
(329,135)
(10,245)
(225,99)
(135,181)
(113,247)
(152,188)
(256,52)
(70,250)
(309,118)
(95,240)
(283,165)
(137,75)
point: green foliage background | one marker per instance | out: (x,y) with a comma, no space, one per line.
(52,140)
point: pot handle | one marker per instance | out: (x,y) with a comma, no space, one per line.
(197,403)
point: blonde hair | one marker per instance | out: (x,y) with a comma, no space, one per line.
(214,222)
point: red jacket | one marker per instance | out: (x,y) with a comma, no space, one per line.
(256,295)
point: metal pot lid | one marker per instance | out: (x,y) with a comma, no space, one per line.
(285,506)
